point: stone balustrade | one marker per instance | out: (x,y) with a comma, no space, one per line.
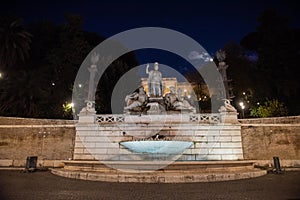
(213,118)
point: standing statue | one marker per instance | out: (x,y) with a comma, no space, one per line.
(173,102)
(155,83)
(221,55)
(92,69)
(136,100)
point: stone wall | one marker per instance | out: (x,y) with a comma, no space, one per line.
(265,138)
(210,142)
(51,140)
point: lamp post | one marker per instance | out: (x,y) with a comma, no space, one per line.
(242,107)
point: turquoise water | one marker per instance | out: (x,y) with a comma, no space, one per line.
(157,147)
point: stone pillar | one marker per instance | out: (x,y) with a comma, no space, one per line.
(154,108)
(87,118)
(88,113)
(229,117)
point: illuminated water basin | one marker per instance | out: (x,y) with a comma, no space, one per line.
(157,147)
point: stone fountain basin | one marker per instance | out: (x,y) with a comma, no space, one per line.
(157,146)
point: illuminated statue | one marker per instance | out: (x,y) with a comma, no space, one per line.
(155,83)
(173,102)
(136,100)
(227,107)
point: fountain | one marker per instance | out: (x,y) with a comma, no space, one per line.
(156,104)
(159,138)
(159,147)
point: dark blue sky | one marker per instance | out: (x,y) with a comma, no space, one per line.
(210,23)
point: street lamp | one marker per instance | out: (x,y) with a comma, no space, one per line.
(242,107)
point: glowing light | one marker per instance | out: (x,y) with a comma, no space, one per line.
(242,107)
(53,84)
(79,85)
(244,93)
(68,106)
(1,75)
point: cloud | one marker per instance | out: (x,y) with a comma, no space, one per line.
(194,55)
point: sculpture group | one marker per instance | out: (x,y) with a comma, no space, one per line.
(155,102)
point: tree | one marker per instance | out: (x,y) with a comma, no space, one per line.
(44,87)
(23,95)
(46,84)
(201,93)
(246,81)
(15,42)
(270,108)
(110,78)
(277,47)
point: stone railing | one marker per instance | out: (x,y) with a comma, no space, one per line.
(110,118)
(198,118)
(205,118)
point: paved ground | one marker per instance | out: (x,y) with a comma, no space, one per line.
(43,185)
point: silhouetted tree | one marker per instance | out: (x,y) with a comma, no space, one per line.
(278,48)
(15,42)
(44,87)
(23,94)
(110,78)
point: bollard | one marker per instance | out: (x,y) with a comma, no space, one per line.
(277,165)
(31,162)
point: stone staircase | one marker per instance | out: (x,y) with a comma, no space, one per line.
(177,172)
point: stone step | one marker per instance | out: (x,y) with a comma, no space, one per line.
(159,177)
(145,171)
(168,165)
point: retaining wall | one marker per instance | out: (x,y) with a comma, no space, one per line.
(53,140)
(264,138)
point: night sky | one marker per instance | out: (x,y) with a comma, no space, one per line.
(211,23)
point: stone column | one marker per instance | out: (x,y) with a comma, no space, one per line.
(88,113)
(222,67)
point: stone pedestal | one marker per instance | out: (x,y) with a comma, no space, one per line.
(229,117)
(87,119)
(88,113)
(154,108)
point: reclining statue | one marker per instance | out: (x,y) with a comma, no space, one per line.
(136,101)
(173,102)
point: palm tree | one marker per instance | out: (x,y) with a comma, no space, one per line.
(14,42)
(23,94)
